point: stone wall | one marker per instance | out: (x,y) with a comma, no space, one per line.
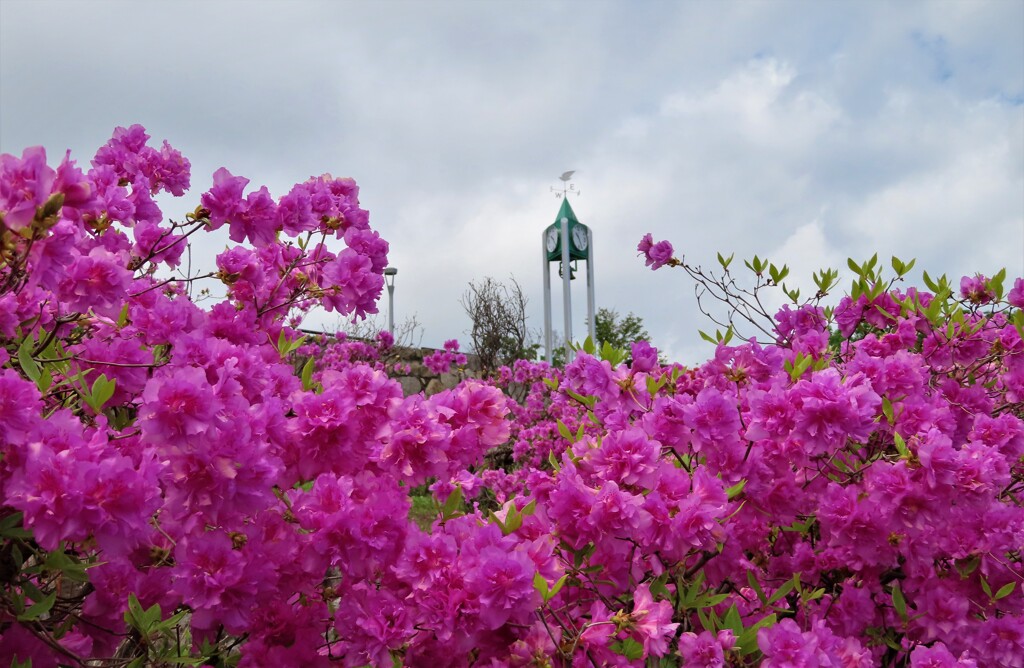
(421,379)
(418,378)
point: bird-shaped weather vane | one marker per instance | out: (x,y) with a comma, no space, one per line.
(567,186)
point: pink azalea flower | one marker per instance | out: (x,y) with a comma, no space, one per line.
(656,255)
(652,622)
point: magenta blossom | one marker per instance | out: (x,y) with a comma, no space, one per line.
(657,254)
(652,622)
(25,185)
(1016,294)
(976,289)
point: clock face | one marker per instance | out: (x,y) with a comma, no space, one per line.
(579,238)
(552,239)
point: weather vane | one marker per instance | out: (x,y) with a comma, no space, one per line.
(567,187)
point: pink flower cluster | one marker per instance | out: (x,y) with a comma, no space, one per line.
(441,361)
(180,484)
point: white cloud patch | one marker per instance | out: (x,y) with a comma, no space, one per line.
(804,132)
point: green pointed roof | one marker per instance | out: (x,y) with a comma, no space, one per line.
(566,212)
(556,253)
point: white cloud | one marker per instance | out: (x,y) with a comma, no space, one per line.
(795,130)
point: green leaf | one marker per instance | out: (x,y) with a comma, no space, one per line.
(133,615)
(886,314)
(732,620)
(777,275)
(559,583)
(709,620)
(102,390)
(28,365)
(628,648)
(10,522)
(581,555)
(38,609)
(658,586)
(901,446)
(747,641)
(813,595)
(1004,591)
(996,283)
(513,520)
(887,410)
(285,347)
(307,374)
(654,385)
(898,602)
(453,504)
(784,589)
(736,489)
(967,565)
(613,355)
(690,596)
(800,527)
(540,584)
(45,381)
(798,367)
(586,401)
(756,586)
(32,591)
(710,600)
(985,587)
(173,620)
(71,567)
(565,432)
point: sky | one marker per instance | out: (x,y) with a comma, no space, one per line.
(805,132)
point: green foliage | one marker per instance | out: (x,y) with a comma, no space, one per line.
(423,510)
(547,593)
(513,518)
(617,331)
(158,638)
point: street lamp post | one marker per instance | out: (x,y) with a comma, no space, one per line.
(389,277)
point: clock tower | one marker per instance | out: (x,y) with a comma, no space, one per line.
(566,241)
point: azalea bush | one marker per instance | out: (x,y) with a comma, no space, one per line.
(205,486)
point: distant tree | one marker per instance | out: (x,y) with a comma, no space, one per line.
(499,335)
(619,331)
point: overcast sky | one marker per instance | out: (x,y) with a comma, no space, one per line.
(803,131)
